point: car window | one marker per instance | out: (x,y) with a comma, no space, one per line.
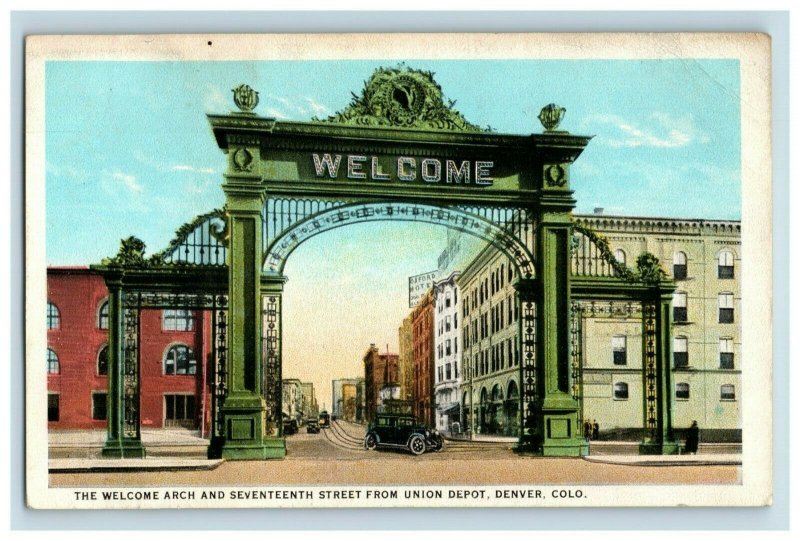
(406,422)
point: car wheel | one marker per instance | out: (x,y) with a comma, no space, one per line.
(416,444)
(370,442)
(439,444)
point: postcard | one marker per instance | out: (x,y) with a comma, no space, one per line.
(398,270)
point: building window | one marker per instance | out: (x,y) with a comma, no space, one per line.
(680,348)
(439,374)
(177,320)
(448,347)
(179,410)
(447,371)
(53,316)
(99,406)
(727,392)
(180,360)
(682,391)
(726,353)
(102,316)
(679,312)
(52,362)
(620,391)
(447,301)
(102,362)
(619,255)
(679,266)
(52,408)
(726,307)
(447,324)
(725,266)
(619,347)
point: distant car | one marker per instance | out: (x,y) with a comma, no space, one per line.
(312,426)
(289,426)
(402,431)
(324,419)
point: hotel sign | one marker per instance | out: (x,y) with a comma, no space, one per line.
(418,285)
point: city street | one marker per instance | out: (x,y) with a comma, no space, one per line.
(336,456)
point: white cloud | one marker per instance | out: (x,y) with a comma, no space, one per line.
(193,169)
(296,107)
(317,108)
(276,113)
(110,181)
(660,130)
(217,101)
(129,181)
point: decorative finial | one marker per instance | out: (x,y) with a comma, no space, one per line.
(245,98)
(551,116)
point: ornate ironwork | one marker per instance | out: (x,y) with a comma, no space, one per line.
(403,97)
(130,371)
(650,374)
(609,309)
(203,241)
(506,235)
(188,301)
(576,344)
(528,365)
(219,385)
(271,354)
(280,215)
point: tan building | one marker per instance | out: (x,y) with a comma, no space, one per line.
(342,406)
(310,406)
(405,361)
(704,258)
(490,354)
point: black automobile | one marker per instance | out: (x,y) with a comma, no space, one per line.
(289,426)
(312,426)
(402,431)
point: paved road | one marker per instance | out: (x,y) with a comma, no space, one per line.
(336,456)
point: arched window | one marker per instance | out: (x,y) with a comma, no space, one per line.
(102,316)
(725,265)
(52,362)
(682,391)
(620,391)
(102,362)
(53,316)
(679,266)
(726,307)
(679,309)
(619,346)
(680,349)
(620,256)
(727,392)
(180,360)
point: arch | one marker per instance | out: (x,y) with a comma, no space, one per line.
(53,366)
(279,250)
(102,314)
(179,360)
(512,393)
(102,361)
(53,316)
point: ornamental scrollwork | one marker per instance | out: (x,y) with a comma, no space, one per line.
(403,97)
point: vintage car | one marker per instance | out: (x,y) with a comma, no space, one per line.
(312,426)
(402,431)
(289,425)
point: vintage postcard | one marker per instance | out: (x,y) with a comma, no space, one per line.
(405,270)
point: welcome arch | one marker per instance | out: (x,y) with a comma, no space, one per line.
(398,146)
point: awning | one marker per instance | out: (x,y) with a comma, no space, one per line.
(451,409)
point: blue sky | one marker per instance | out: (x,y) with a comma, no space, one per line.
(129,152)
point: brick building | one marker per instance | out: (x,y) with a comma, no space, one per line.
(174,358)
(380,371)
(423,333)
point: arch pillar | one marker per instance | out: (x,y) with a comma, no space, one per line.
(243,412)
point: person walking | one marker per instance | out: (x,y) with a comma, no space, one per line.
(693,439)
(587,429)
(595,430)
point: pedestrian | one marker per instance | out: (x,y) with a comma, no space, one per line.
(692,439)
(587,429)
(595,430)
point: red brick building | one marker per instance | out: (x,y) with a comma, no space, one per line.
(422,329)
(380,371)
(174,358)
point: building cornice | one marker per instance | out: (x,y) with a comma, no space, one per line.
(658,225)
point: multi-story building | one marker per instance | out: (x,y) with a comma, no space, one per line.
(348,398)
(406,360)
(490,350)
(423,334)
(292,404)
(173,358)
(310,406)
(704,259)
(447,375)
(380,371)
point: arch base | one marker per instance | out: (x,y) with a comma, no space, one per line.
(123,449)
